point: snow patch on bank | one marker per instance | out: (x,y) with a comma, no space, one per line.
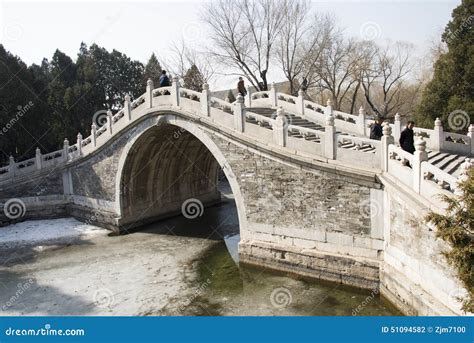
(37,231)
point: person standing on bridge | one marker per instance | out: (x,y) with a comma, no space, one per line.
(376,131)
(241,87)
(407,141)
(164,79)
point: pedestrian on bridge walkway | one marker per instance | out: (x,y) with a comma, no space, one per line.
(241,87)
(407,141)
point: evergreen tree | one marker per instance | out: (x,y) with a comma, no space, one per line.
(152,71)
(451,92)
(193,79)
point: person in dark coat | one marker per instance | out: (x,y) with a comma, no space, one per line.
(376,131)
(241,87)
(407,141)
(164,79)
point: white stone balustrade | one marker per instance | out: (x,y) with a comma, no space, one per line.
(205,97)
(38,161)
(239,113)
(329,137)
(280,128)
(381,155)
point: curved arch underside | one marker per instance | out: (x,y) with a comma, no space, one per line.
(166,166)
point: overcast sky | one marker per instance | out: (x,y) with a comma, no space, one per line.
(35,29)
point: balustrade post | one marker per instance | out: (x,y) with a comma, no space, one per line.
(239,114)
(419,156)
(328,109)
(280,128)
(149,93)
(66,149)
(397,128)
(329,138)
(205,100)
(273,96)
(109,121)
(438,135)
(300,102)
(361,121)
(11,166)
(386,140)
(127,108)
(79,144)
(39,162)
(470,133)
(94,134)
(248,98)
(175,91)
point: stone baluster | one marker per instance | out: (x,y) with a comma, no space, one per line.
(149,93)
(39,160)
(66,149)
(109,121)
(386,140)
(11,166)
(328,109)
(470,133)
(175,91)
(361,121)
(438,135)
(94,134)
(79,144)
(273,96)
(239,114)
(205,97)
(280,128)
(330,143)
(248,98)
(397,128)
(419,156)
(127,107)
(300,102)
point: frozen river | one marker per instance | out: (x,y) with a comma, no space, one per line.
(175,267)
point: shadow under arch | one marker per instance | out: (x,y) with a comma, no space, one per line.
(171,160)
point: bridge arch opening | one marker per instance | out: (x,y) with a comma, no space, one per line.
(173,168)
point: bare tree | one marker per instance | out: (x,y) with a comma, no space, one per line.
(383,82)
(301,42)
(182,58)
(244,33)
(337,66)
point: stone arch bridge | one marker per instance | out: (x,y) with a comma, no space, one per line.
(315,196)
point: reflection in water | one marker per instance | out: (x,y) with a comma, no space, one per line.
(245,291)
(226,288)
